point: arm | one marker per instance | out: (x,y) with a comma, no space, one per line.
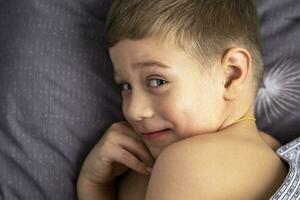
(119,150)
(212,168)
(90,191)
(132,186)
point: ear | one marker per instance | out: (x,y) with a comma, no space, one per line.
(236,65)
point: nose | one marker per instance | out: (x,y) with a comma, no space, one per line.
(138,107)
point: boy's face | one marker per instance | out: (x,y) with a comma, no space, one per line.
(179,96)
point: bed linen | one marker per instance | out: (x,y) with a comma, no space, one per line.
(58,96)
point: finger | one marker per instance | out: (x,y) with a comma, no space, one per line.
(136,147)
(125,127)
(139,150)
(126,158)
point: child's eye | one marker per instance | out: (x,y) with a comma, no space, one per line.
(156,82)
(124,87)
(152,83)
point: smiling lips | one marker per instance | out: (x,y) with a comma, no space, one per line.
(155,135)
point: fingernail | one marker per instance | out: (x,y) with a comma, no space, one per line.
(149,169)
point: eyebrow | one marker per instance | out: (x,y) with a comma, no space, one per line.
(149,63)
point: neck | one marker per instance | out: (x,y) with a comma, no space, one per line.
(238,118)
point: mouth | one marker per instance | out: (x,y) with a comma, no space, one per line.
(156,135)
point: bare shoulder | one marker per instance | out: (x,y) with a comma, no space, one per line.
(271,141)
(216,167)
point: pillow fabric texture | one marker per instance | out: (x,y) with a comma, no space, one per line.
(58,96)
(278,99)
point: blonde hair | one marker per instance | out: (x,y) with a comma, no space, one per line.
(203,28)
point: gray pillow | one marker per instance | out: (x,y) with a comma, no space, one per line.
(58,97)
(57,94)
(278,100)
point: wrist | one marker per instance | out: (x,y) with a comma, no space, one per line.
(88,190)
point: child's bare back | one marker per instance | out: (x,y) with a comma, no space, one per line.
(266,174)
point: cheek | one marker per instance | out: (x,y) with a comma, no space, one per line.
(190,114)
(179,112)
(125,107)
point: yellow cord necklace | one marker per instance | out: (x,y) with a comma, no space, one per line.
(245,118)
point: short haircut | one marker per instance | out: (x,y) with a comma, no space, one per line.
(203,28)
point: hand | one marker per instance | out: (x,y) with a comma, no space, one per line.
(119,150)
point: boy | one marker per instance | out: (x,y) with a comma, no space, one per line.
(188,71)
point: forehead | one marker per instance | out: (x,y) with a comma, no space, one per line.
(147,64)
(148,53)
